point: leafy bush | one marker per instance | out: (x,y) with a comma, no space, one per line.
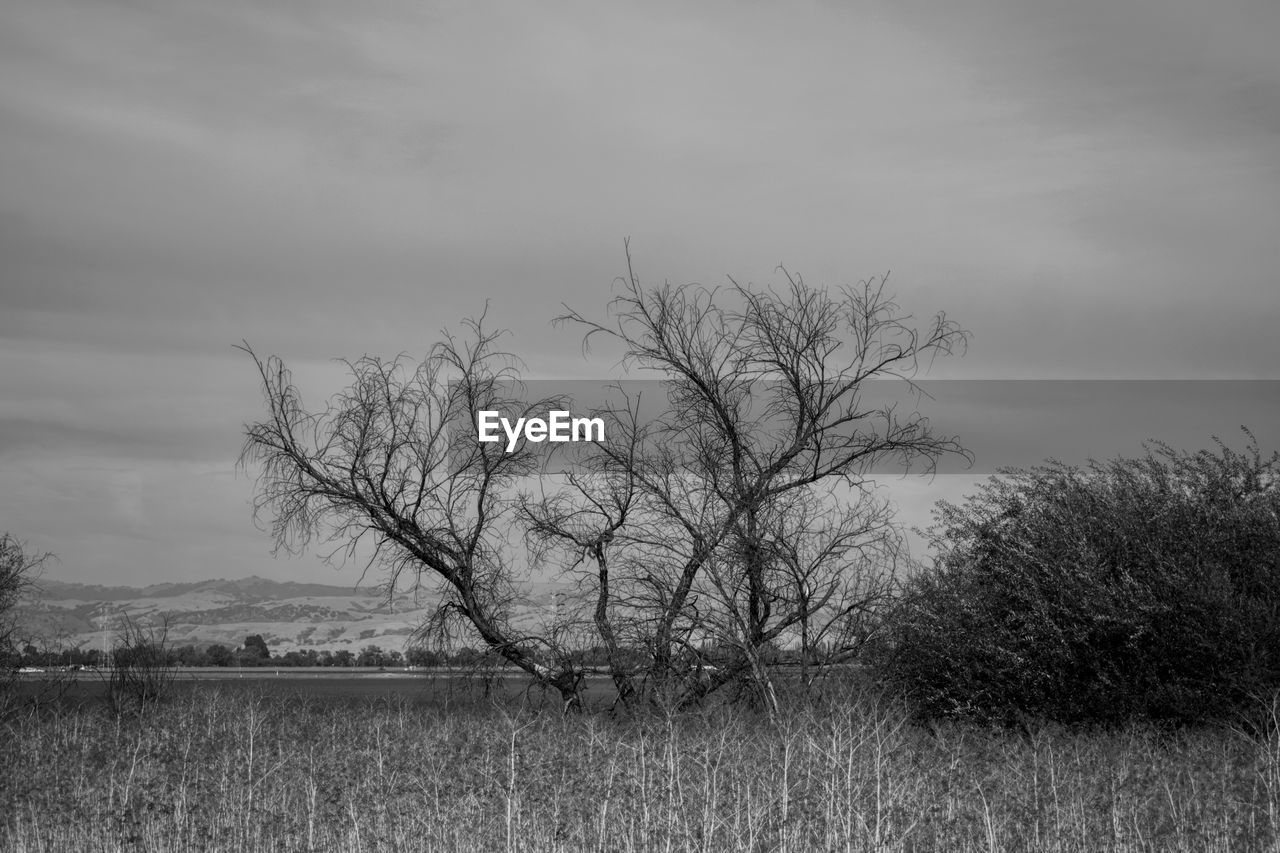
(1137,588)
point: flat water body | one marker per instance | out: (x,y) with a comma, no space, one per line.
(327,684)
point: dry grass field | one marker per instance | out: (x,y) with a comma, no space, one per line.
(226,766)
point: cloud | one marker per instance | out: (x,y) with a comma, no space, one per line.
(1091,188)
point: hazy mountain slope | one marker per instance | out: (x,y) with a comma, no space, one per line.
(288,615)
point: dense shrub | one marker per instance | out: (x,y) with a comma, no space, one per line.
(1136,588)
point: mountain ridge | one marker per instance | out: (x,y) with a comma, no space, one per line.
(289,615)
(252,583)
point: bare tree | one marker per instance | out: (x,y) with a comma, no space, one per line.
(393,459)
(700,540)
(714,524)
(142,669)
(576,525)
(813,576)
(18,571)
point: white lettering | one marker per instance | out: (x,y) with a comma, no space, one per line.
(513,435)
(586,424)
(486,423)
(559,427)
(559,424)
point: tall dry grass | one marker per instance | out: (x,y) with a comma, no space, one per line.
(220,770)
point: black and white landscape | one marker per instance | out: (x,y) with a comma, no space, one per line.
(754,300)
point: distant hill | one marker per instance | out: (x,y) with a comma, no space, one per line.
(288,615)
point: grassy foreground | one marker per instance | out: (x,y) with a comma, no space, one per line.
(219,769)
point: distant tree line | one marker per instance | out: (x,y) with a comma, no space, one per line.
(255,652)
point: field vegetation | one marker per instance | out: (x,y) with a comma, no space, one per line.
(220,768)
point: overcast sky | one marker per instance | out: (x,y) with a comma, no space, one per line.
(1092,188)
